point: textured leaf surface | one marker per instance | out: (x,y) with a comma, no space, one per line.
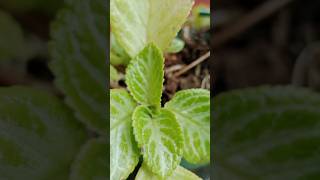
(79,59)
(92,161)
(38,135)
(135,23)
(144,76)
(124,153)
(267,133)
(160,137)
(179,173)
(192,109)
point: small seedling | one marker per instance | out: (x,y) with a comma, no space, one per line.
(166,134)
(140,126)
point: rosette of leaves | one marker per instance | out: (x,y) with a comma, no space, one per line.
(267,133)
(139,125)
(162,135)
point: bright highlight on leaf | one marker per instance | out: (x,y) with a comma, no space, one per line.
(34,126)
(78,50)
(138,23)
(92,161)
(160,137)
(124,154)
(267,133)
(192,109)
(144,76)
(179,173)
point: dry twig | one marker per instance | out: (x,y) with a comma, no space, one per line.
(193,64)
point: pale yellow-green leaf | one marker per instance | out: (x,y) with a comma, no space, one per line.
(124,154)
(137,23)
(179,173)
(160,137)
(192,109)
(144,76)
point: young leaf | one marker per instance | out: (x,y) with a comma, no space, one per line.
(137,23)
(267,133)
(144,76)
(92,161)
(179,173)
(124,154)
(78,51)
(176,46)
(159,135)
(192,109)
(38,135)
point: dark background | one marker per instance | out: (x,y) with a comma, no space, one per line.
(29,68)
(258,42)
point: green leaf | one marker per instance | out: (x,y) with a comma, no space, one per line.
(137,23)
(176,46)
(267,133)
(144,76)
(179,173)
(92,161)
(38,135)
(113,73)
(124,153)
(12,44)
(160,137)
(78,50)
(118,55)
(192,109)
